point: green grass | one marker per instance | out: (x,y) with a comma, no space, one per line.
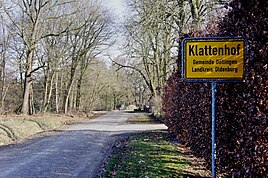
(142,119)
(148,154)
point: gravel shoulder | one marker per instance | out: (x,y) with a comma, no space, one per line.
(75,151)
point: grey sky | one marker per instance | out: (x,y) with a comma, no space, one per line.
(117,7)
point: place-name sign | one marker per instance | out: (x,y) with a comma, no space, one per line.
(213,58)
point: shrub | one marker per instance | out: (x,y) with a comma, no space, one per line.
(242,108)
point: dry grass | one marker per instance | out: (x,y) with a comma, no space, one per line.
(20,127)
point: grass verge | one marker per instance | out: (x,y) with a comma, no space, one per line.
(142,119)
(18,127)
(152,154)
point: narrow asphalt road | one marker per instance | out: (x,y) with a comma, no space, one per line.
(75,152)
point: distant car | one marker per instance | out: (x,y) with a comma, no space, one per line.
(122,107)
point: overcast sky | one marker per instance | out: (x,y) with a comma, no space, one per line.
(117,7)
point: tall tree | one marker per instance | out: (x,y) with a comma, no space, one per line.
(86,43)
(150,40)
(29,19)
(151,35)
(4,46)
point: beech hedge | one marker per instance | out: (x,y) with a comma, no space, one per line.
(242,108)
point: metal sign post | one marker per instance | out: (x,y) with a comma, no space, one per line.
(213,131)
(217,59)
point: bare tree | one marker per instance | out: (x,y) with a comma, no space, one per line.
(29,19)
(150,42)
(55,49)
(86,44)
(4,46)
(152,30)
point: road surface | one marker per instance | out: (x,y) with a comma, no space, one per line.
(76,152)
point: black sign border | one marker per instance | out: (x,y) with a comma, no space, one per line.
(183,60)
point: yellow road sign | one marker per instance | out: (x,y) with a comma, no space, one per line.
(213,58)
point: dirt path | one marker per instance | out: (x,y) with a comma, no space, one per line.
(74,152)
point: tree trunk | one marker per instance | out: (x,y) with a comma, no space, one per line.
(57,92)
(2,78)
(49,92)
(69,88)
(31,99)
(45,91)
(78,96)
(72,98)
(194,12)
(66,101)
(26,105)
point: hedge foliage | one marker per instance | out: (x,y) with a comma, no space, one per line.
(242,108)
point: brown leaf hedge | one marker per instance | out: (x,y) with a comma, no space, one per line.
(242,108)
